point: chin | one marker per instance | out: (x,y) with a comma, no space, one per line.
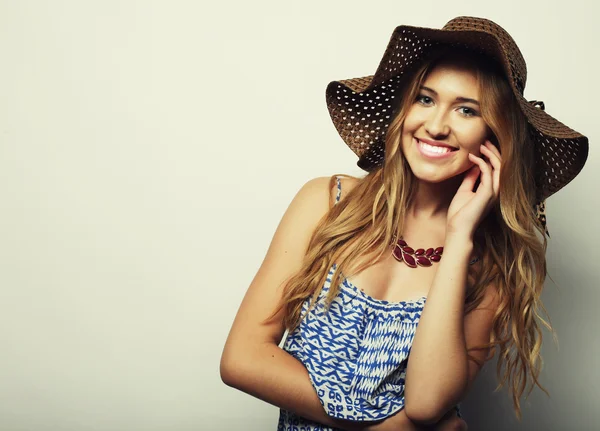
(435,175)
(434,179)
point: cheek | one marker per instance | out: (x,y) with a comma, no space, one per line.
(411,125)
(412,121)
(471,137)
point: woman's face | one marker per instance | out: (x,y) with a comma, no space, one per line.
(444,124)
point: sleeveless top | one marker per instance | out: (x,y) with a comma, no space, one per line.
(355,352)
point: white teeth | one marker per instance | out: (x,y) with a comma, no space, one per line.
(434,149)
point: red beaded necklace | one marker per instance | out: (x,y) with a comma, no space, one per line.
(421,257)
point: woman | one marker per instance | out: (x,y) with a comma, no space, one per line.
(439,251)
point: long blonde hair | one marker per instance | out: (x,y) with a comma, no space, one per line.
(357,232)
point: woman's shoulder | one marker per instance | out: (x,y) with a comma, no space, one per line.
(336,187)
(340,185)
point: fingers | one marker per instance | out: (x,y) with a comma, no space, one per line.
(486,171)
(493,156)
(494,149)
(470,178)
(490,176)
(485,191)
(451,422)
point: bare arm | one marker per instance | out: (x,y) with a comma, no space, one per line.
(252,361)
(438,372)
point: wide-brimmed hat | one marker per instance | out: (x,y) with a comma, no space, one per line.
(362,108)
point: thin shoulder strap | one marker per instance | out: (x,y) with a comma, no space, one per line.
(339,190)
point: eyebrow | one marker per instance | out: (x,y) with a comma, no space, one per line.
(458,99)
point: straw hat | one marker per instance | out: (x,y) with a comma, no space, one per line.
(362,108)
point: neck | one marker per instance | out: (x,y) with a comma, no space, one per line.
(431,200)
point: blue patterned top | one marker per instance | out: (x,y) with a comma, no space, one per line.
(355,353)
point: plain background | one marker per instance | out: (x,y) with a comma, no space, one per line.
(147,152)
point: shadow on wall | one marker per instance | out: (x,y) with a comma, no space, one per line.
(486,410)
(569,372)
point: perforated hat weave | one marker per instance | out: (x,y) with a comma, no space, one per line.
(362,108)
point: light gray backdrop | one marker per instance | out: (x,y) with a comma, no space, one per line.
(147,152)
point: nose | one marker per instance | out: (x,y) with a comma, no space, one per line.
(436,124)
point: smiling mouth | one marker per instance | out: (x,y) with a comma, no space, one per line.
(433,150)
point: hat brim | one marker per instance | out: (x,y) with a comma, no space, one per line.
(362,108)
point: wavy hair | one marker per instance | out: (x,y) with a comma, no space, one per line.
(358,231)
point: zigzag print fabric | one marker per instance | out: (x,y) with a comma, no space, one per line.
(355,352)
